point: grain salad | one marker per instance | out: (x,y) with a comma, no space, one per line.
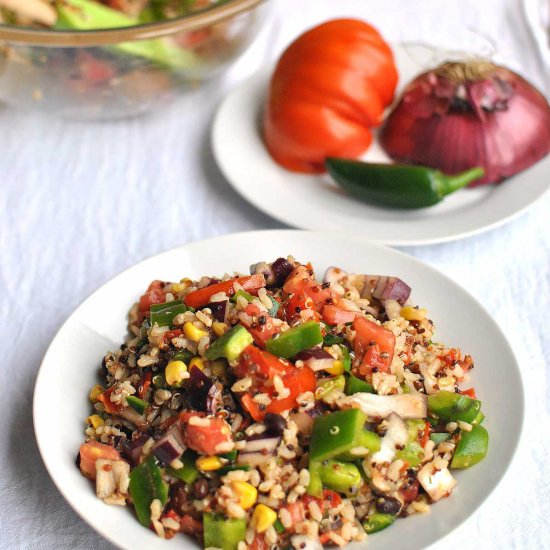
(273,410)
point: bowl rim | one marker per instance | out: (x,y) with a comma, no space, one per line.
(13,34)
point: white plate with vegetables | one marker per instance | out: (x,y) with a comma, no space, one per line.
(100,324)
(316,202)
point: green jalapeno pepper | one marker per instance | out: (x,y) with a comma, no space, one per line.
(339,476)
(294,340)
(397,185)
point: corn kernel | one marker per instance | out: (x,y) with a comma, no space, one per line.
(95,392)
(246,492)
(219,328)
(336,369)
(95,420)
(413,314)
(263,518)
(193,333)
(218,368)
(209,463)
(178,287)
(175,373)
(185,281)
(196,362)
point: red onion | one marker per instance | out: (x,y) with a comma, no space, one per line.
(460,115)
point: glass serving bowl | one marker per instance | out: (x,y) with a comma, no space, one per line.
(117,73)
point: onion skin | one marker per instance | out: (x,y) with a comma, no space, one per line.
(461,115)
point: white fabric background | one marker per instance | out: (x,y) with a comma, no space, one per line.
(81,202)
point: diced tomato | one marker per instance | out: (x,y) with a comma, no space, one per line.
(205,439)
(296,511)
(300,307)
(262,326)
(258,543)
(470,392)
(190,525)
(324,538)
(155,294)
(169,533)
(425,434)
(167,337)
(334,315)
(144,384)
(262,367)
(451,357)
(300,281)
(105,398)
(201,297)
(90,452)
(466,364)
(374,347)
(330,499)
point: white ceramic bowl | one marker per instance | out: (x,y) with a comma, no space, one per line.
(70,367)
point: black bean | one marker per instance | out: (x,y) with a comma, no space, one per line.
(200,488)
(388,505)
(274,424)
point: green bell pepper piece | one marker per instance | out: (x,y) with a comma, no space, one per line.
(279,527)
(86,15)
(453,407)
(163,314)
(220,532)
(412,452)
(397,185)
(376,522)
(146,485)
(294,340)
(479,418)
(346,359)
(139,405)
(188,473)
(339,476)
(334,435)
(438,438)
(230,345)
(248,297)
(326,386)
(331,339)
(356,385)
(315,485)
(472,447)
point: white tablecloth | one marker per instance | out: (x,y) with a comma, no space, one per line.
(81,202)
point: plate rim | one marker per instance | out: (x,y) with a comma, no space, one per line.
(258,234)
(262,77)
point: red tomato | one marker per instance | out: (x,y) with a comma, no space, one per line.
(258,543)
(262,327)
(300,307)
(205,439)
(334,315)
(300,281)
(296,511)
(105,398)
(167,337)
(346,77)
(470,392)
(201,297)
(155,295)
(90,452)
(144,385)
(451,357)
(425,434)
(262,367)
(410,490)
(374,347)
(330,499)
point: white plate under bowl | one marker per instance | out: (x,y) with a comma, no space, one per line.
(315,202)
(70,367)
